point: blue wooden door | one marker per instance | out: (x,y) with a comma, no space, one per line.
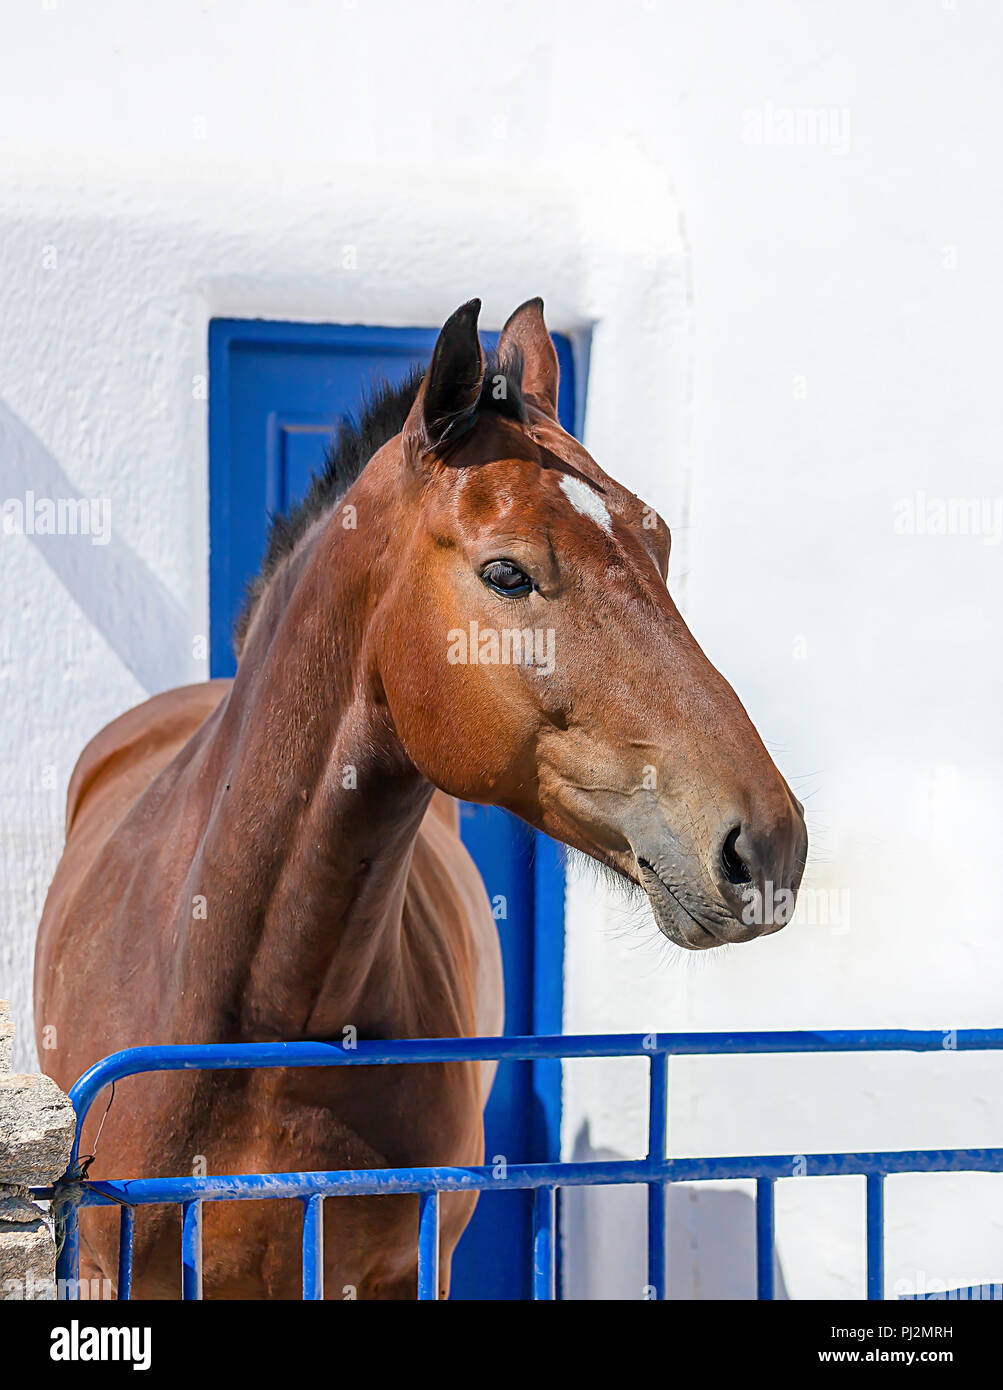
(276,392)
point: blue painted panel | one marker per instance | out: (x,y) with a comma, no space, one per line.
(490,1261)
(276,392)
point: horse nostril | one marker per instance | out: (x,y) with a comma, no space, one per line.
(735,868)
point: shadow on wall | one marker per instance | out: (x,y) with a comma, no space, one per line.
(123,599)
(711,1239)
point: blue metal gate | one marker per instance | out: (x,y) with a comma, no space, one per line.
(543,1179)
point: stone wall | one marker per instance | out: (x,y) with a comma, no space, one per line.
(36,1134)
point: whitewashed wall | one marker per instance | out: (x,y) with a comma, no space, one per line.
(846,311)
(789,339)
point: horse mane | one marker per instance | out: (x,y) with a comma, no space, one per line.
(355,441)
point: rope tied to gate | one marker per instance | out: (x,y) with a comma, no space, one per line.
(68,1191)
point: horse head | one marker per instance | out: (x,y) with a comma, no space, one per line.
(531,657)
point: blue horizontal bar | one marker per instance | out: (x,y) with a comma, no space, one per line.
(354,1182)
(228,1056)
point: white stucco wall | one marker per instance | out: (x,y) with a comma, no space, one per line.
(845,311)
(787,340)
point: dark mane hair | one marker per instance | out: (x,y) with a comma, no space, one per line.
(355,441)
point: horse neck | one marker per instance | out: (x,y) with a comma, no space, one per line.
(320,807)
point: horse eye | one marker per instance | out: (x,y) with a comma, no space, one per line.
(506,578)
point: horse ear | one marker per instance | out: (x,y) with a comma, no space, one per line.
(527,333)
(446,403)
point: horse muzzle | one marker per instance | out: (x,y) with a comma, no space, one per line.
(744,888)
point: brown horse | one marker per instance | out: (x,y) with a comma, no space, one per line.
(483,611)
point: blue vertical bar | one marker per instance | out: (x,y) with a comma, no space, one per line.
(658,1116)
(68,1259)
(428,1245)
(875,1235)
(126,1230)
(191,1250)
(544,1227)
(313,1246)
(548,997)
(765,1235)
(548,990)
